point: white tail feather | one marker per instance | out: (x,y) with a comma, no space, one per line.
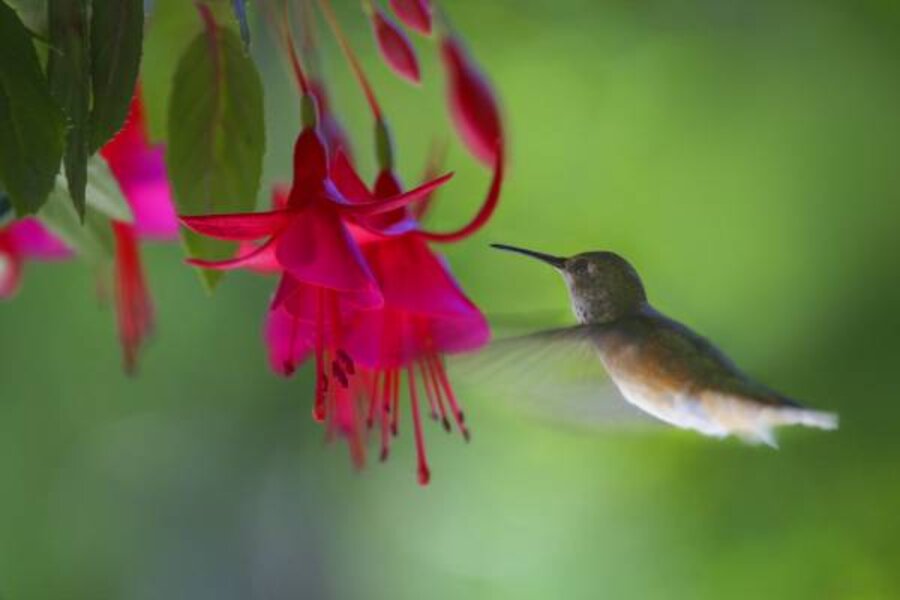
(806,417)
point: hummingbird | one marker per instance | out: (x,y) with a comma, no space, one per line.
(659,365)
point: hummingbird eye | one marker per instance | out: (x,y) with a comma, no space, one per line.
(580,265)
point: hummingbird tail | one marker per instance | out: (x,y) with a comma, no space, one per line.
(806,417)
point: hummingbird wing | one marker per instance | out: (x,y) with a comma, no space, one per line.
(553,374)
(680,377)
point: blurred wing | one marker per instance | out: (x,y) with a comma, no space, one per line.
(554,375)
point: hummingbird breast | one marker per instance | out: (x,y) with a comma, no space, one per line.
(670,372)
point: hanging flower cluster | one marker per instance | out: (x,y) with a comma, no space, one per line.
(139,170)
(362,292)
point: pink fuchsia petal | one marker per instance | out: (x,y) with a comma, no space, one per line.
(317,249)
(264,263)
(258,258)
(398,201)
(415,14)
(239,226)
(460,334)
(134,307)
(391,223)
(304,301)
(32,240)
(140,171)
(395,47)
(289,339)
(473,106)
(347,180)
(484,214)
(414,279)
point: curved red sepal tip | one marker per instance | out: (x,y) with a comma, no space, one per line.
(415,14)
(395,48)
(258,258)
(484,213)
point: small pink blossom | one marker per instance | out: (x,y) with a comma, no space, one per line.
(26,239)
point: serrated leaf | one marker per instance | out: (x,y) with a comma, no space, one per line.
(31,123)
(216,136)
(117,33)
(68,70)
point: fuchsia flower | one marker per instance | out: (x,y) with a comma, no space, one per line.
(26,239)
(360,289)
(425,315)
(308,239)
(140,171)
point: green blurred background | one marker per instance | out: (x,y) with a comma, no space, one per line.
(743,155)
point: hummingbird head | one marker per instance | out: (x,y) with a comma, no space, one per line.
(603,286)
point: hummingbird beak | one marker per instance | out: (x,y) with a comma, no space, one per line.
(554,261)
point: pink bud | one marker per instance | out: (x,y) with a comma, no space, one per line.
(472,103)
(395,48)
(415,14)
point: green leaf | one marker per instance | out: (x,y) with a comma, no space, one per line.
(33,14)
(216,136)
(104,194)
(6,209)
(68,69)
(171,28)
(31,124)
(117,32)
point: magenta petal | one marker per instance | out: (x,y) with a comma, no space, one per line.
(31,239)
(147,190)
(414,279)
(398,53)
(415,14)
(398,201)
(347,180)
(263,263)
(317,249)
(290,341)
(140,170)
(239,226)
(255,260)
